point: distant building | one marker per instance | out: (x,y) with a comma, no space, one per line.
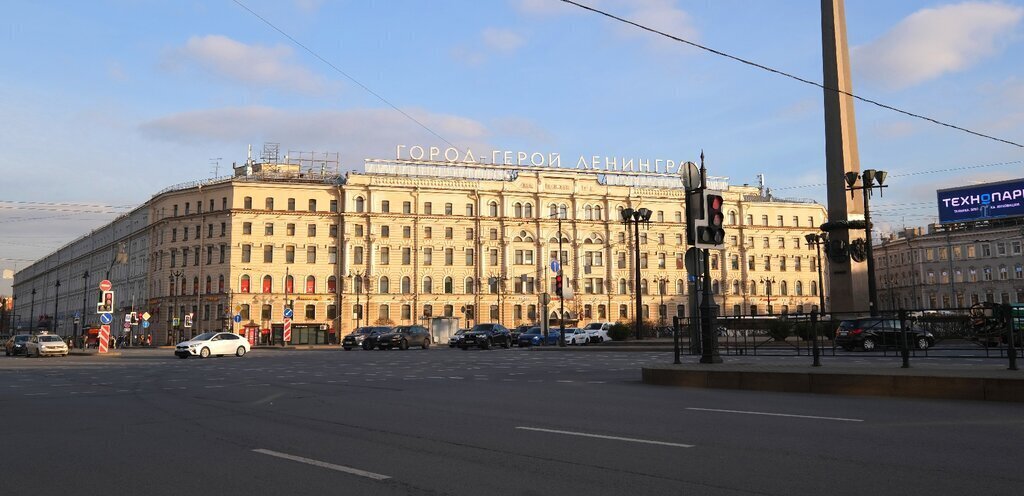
(406,240)
(951,267)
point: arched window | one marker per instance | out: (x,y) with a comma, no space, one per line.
(643,286)
(428,285)
(588,212)
(195,285)
(406,285)
(384,314)
(220,283)
(470,287)
(209,284)
(784,288)
(332,284)
(732,217)
(753,288)
(360,204)
(529,210)
(289,284)
(385,285)
(716,287)
(735,287)
(518,209)
(799,288)
(492,208)
(814,288)
(310,284)
(681,286)
(449,286)
(553,210)
(268,284)
(563,211)
(243,286)
(750,219)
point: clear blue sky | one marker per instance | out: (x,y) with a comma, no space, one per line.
(104,103)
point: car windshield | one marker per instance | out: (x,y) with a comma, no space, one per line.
(204,336)
(483,327)
(49,339)
(18,339)
(533,330)
(594,327)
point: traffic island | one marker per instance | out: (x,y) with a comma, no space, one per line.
(988,384)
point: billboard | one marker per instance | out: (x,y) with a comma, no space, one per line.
(981,202)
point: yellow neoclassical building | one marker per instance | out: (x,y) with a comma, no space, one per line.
(406,240)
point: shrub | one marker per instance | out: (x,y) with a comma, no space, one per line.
(779,330)
(620,331)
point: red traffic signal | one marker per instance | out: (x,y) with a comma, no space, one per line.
(558,285)
(712,235)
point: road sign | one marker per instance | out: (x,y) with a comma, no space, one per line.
(106,319)
(237,318)
(238,308)
(175,322)
(555,265)
(128,318)
(145,316)
(127,324)
(188,320)
(104,336)
(145,324)
(288,313)
(105,285)
(135,318)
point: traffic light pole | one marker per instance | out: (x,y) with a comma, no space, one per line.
(561,297)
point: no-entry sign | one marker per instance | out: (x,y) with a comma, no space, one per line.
(105,285)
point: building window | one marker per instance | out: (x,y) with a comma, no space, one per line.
(311,230)
(268,229)
(428,208)
(289,284)
(385,206)
(384,287)
(270,204)
(406,256)
(332,231)
(357,255)
(385,256)
(289,229)
(334,205)
(268,254)
(289,254)
(406,207)
(385,231)
(268,284)
(360,204)
(448,210)
(428,285)
(311,254)
(492,209)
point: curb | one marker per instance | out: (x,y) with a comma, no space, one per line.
(855,384)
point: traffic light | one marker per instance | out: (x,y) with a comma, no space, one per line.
(106,304)
(710,232)
(558,285)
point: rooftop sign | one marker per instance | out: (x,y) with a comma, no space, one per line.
(981,202)
(593,163)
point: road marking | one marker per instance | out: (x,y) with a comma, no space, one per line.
(840,419)
(35,394)
(212,387)
(613,438)
(318,463)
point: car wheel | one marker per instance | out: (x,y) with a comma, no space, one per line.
(366,346)
(205,353)
(868,344)
(922,343)
(507,344)
(404,345)
(426,343)
(240,351)
(485,344)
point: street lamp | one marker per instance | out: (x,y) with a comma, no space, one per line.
(662,286)
(32,311)
(498,282)
(357,281)
(817,240)
(637,217)
(175,321)
(768,282)
(56,295)
(868,180)
(85,304)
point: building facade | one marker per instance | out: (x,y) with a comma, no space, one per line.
(404,241)
(945,267)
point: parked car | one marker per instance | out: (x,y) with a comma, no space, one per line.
(46,344)
(356,337)
(598,331)
(15,345)
(575,335)
(532,337)
(213,343)
(370,341)
(519,331)
(553,336)
(402,337)
(871,333)
(485,336)
(456,338)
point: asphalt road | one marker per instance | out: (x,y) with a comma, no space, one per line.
(445,421)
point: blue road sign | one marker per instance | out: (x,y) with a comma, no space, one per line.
(692,278)
(238,318)
(106,318)
(288,313)
(145,324)
(555,266)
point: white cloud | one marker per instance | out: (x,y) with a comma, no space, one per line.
(662,15)
(502,40)
(933,42)
(309,6)
(253,65)
(542,7)
(356,134)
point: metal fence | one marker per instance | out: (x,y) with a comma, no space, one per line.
(990,331)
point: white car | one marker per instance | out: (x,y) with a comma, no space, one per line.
(46,344)
(598,331)
(213,343)
(576,336)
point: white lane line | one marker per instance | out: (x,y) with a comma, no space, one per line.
(840,419)
(318,463)
(613,438)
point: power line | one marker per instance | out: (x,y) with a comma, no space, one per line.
(917,173)
(791,76)
(92,205)
(343,73)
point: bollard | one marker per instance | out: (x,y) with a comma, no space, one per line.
(814,331)
(904,349)
(675,337)
(1011,346)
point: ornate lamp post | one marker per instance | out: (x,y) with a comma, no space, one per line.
(818,240)
(635,218)
(768,282)
(357,281)
(868,180)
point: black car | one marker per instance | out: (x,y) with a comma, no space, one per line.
(358,337)
(486,335)
(871,333)
(456,338)
(370,342)
(16,345)
(519,331)
(402,337)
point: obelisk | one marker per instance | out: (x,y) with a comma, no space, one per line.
(848,282)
